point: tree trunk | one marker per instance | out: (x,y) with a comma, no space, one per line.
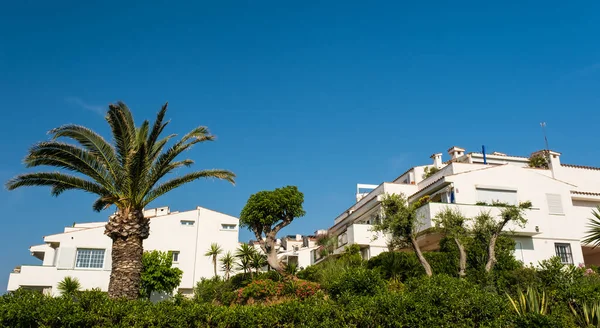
(420,256)
(462,261)
(491,253)
(215,264)
(127,231)
(271,251)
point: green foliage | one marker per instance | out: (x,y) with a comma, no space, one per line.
(399,217)
(215,290)
(593,233)
(157,274)
(69,286)
(127,173)
(265,209)
(586,315)
(538,161)
(227,263)
(429,171)
(213,252)
(530,302)
(269,290)
(355,281)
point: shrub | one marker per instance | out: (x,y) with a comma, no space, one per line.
(356,281)
(214,289)
(259,290)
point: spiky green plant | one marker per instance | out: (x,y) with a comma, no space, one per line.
(213,252)
(257,261)
(586,315)
(593,233)
(69,286)
(129,172)
(530,302)
(227,262)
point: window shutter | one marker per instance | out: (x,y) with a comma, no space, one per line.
(491,195)
(554,204)
(108,259)
(66,258)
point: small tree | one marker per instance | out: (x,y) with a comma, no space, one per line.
(399,218)
(451,222)
(227,262)
(213,252)
(244,254)
(157,273)
(245,264)
(267,212)
(69,286)
(490,228)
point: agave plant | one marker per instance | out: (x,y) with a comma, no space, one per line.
(69,286)
(530,302)
(586,315)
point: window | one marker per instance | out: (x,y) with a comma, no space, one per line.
(491,195)
(554,204)
(175,256)
(228,226)
(89,258)
(187,223)
(564,252)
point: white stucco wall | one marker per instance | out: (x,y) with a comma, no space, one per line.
(166,234)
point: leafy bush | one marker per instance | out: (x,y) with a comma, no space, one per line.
(356,281)
(214,289)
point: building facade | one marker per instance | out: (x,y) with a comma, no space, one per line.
(562,197)
(84,252)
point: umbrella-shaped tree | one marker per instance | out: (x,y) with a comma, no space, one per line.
(129,173)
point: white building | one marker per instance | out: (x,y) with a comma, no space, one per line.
(84,252)
(294,249)
(562,196)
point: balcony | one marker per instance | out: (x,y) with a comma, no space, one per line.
(361,234)
(534,226)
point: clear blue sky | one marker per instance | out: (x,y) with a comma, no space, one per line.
(307,94)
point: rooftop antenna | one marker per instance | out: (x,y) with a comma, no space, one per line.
(543,125)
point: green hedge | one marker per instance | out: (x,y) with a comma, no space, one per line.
(440,301)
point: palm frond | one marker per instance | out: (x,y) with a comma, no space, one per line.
(69,157)
(593,232)
(177,182)
(59,182)
(94,143)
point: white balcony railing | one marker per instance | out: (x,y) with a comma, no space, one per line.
(535,217)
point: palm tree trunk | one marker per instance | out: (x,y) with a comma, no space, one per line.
(127,231)
(462,261)
(215,264)
(420,256)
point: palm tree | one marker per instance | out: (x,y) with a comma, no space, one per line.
(593,233)
(257,261)
(127,173)
(214,251)
(244,253)
(227,262)
(69,286)
(245,265)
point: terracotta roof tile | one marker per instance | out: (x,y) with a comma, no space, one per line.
(581,167)
(588,193)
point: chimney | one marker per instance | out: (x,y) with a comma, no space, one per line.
(455,152)
(437,160)
(298,237)
(553,158)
